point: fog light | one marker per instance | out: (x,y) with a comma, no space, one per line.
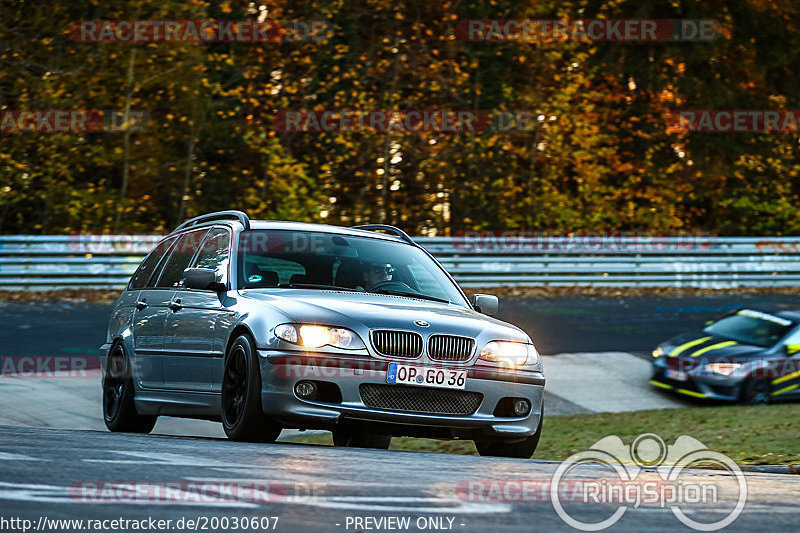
(305,389)
(522,407)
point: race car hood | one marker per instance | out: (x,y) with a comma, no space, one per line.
(366,311)
(701,347)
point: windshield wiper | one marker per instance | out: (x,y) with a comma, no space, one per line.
(315,286)
(411,295)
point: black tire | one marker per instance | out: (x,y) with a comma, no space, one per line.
(520,450)
(242,417)
(119,410)
(755,392)
(354,437)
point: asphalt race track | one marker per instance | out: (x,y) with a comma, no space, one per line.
(58,462)
(56,474)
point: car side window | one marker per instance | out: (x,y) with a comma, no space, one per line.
(214,252)
(148,266)
(180,258)
(793,338)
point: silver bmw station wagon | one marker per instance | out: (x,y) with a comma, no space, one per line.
(360,331)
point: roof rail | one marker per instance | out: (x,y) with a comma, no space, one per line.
(397,231)
(219,215)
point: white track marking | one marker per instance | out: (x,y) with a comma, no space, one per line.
(6,456)
(164,459)
(403,504)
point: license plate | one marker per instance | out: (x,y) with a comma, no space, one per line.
(677,375)
(426,376)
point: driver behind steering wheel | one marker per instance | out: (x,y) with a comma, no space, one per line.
(375,274)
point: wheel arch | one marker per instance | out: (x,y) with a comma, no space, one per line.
(239,330)
(126,340)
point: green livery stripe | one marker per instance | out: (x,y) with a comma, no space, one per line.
(685,346)
(713,347)
(659,384)
(691,393)
(787,377)
(786,389)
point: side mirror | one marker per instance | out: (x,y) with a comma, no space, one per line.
(203,279)
(485,303)
(791,349)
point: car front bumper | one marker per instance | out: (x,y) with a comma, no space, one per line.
(703,386)
(280,371)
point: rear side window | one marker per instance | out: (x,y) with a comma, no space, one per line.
(181,257)
(214,252)
(148,266)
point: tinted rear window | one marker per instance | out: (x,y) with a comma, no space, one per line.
(214,253)
(148,266)
(180,258)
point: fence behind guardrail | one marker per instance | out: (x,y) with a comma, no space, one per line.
(107,261)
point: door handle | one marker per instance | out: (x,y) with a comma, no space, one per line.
(141,305)
(176,305)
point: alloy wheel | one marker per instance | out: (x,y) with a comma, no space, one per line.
(234,386)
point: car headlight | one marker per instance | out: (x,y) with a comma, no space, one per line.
(725,369)
(510,353)
(658,352)
(313,336)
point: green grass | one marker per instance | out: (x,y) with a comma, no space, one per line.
(748,435)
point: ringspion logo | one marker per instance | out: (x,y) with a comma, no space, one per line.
(675,488)
(645,474)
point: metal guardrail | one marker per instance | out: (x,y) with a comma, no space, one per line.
(107,262)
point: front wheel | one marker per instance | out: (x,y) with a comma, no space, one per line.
(242,417)
(755,392)
(354,437)
(519,450)
(119,411)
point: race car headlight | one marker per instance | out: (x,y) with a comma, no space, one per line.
(510,353)
(658,352)
(725,369)
(313,336)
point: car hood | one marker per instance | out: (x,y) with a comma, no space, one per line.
(700,346)
(364,311)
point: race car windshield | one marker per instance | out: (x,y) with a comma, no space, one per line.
(751,327)
(288,259)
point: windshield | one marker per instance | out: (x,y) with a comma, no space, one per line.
(751,327)
(304,259)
